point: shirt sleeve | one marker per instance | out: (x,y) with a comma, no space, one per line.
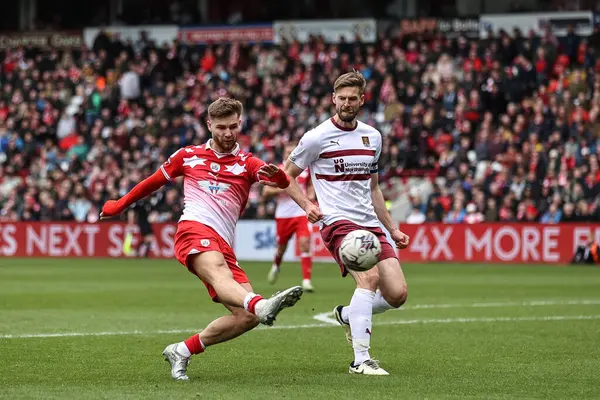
(254,165)
(173,167)
(307,151)
(375,164)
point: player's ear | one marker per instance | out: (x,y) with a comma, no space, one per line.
(209,125)
(333,97)
(362,99)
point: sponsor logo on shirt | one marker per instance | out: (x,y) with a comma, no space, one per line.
(214,187)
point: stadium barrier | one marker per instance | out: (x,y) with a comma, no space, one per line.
(256,241)
(498,243)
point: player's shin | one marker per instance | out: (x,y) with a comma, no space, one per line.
(306,264)
(360,318)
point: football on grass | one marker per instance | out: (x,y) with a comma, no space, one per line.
(360,250)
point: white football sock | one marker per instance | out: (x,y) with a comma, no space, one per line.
(379,304)
(183,349)
(345,313)
(360,316)
(258,306)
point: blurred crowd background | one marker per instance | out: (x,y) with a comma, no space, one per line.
(504,128)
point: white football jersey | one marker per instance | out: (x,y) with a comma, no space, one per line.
(341,161)
(286,206)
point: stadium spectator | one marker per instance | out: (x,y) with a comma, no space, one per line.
(509,125)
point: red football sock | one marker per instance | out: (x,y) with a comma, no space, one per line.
(252,303)
(306,263)
(194,344)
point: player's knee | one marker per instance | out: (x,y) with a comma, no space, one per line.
(397,297)
(246,319)
(304,244)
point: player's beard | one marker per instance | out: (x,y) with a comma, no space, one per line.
(225,146)
(347,114)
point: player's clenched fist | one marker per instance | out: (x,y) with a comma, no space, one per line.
(313,213)
(401,239)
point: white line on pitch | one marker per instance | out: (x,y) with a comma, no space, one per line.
(326,316)
(306,326)
(533,303)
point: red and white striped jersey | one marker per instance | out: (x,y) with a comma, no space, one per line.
(341,161)
(215,185)
(286,206)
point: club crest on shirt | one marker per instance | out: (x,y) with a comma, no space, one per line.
(215,167)
(365,140)
(205,242)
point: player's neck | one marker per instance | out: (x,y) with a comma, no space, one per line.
(346,126)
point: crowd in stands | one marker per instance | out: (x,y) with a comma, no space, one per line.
(506,128)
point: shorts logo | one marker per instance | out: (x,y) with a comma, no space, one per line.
(205,242)
(215,167)
(365,140)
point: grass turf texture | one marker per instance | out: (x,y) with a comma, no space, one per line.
(451,348)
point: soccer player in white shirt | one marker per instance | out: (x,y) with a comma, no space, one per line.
(342,155)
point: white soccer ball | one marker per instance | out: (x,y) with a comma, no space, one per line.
(360,250)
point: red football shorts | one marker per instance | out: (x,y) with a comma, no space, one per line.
(334,234)
(286,227)
(194,238)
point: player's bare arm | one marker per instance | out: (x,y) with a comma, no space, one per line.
(295,192)
(310,191)
(143,189)
(402,240)
(270,191)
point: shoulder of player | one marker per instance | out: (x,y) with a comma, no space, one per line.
(366,128)
(190,150)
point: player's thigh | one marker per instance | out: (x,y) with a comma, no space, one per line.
(366,279)
(242,315)
(210,266)
(392,282)
(284,230)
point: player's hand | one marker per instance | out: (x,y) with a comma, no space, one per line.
(313,213)
(401,239)
(268,170)
(109,210)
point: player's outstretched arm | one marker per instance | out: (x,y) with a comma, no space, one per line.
(383,214)
(146,187)
(270,191)
(295,192)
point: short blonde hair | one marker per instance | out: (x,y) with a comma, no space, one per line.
(224,107)
(351,79)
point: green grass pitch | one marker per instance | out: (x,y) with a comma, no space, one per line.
(91,329)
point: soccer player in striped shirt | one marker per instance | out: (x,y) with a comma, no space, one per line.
(342,155)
